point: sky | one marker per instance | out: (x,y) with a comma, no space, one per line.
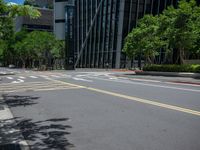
(15,1)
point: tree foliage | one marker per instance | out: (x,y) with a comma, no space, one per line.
(7,14)
(176,31)
(37,46)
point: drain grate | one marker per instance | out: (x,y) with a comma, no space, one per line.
(10,147)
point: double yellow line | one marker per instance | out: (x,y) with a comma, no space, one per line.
(140,100)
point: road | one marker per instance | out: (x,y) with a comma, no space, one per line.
(98,110)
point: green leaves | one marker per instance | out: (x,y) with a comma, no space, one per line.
(37,45)
(143,38)
(175,31)
(23,10)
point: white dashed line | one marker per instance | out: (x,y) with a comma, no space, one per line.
(80,79)
(15,82)
(34,77)
(11,78)
(65,75)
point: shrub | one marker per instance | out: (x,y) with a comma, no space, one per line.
(173,68)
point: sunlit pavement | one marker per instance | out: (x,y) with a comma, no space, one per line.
(99,110)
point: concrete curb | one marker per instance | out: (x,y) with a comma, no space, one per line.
(170,74)
(6,74)
(6,114)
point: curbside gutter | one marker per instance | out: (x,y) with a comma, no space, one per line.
(170,74)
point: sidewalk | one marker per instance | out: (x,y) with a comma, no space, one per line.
(159,78)
(10,136)
(170,74)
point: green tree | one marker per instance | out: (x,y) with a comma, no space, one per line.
(144,39)
(3,47)
(7,14)
(58,50)
(37,46)
(177,31)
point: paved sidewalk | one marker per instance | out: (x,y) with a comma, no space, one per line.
(10,135)
(184,80)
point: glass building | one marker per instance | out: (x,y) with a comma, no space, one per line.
(95,29)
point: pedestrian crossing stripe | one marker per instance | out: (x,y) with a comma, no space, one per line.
(34,86)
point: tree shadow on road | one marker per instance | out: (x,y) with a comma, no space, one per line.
(50,134)
(43,135)
(16,100)
(47,134)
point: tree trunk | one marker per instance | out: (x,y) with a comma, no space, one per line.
(179,58)
(23,63)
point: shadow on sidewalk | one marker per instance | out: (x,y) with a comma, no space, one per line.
(40,135)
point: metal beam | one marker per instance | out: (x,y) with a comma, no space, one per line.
(88,33)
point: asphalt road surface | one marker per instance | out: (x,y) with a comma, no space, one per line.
(95,110)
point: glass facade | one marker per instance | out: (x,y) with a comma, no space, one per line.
(100,47)
(101,26)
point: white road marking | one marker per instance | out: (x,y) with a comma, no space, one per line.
(146,80)
(55,76)
(151,85)
(113,78)
(3,72)
(15,82)
(11,78)
(174,83)
(157,81)
(140,100)
(34,77)
(66,75)
(81,75)
(81,79)
(20,80)
(43,76)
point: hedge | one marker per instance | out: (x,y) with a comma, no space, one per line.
(173,68)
